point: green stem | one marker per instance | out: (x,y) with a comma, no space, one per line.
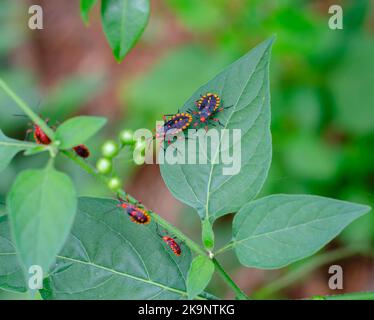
(91,170)
(27,110)
(348,296)
(165,224)
(292,277)
(240,295)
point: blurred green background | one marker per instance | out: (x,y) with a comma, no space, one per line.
(322,108)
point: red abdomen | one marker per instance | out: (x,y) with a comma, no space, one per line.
(39,136)
(174,246)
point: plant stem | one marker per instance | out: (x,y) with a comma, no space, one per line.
(92,171)
(240,295)
(176,232)
(26,109)
(348,296)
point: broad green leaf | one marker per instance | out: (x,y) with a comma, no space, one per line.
(199,275)
(9,148)
(109,257)
(41,206)
(275,231)
(124,21)
(11,276)
(86,6)
(78,130)
(244,85)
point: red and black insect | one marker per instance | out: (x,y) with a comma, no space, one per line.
(82,151)
(208,106)
(172,244)
(136,212)
(172,126)
(41,137)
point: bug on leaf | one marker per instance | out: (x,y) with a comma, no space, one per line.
(172,126)
(136,212)
(171,243)
(208,106)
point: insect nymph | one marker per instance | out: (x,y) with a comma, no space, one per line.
(171,243)
(172,126)
(136,213)
(208,106)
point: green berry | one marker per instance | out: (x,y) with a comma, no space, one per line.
(109,149)
(104,165)
(114,183)
(127,137)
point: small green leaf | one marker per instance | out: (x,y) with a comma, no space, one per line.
(275,231)
(41,206)
(86,6)
(11,276)
(244,86)
(78,130)
(9,148)
(199,275)
(109,257)
(207,234)
(124,22)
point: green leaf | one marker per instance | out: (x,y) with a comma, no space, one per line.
(78,130)
(124,21)
(199,275)
(109,257)
(11,277)
(275,231)
(245,86)
(41,206)
(86,6)
(9,148)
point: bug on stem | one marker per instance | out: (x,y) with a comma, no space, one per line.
(171,243)
(137,214)
(41,137)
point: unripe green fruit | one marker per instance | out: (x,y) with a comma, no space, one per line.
(104,165)
(109,149)
(114,183)
(127,137)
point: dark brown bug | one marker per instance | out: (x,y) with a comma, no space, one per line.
(137,214)
(82,151)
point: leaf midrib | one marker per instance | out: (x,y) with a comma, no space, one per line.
(265,234)
(228,120)
(122,274)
